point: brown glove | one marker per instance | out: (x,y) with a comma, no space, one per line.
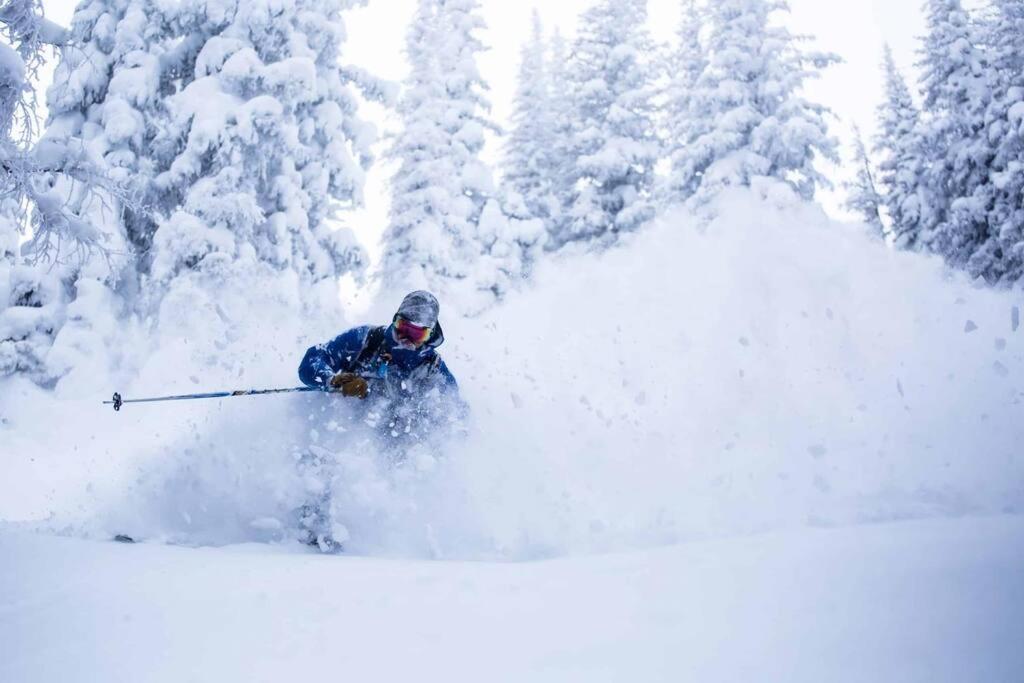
(350,384)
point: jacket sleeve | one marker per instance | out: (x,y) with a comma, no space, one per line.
(446,377)
(323,361)
(450,390)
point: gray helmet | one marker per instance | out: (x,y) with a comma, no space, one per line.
(420,308)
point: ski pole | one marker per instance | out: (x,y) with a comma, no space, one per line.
(117,401)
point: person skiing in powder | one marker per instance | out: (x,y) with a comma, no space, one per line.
(399,361)
(406,389)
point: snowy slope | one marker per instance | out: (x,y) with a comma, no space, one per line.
(932,601)
(714,430)
(773,369)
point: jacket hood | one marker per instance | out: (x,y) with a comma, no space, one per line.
(436,337)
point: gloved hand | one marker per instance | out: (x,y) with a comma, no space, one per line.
(350,384)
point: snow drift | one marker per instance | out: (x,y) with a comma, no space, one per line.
(768,369)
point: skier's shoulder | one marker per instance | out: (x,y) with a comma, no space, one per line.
(350,341)
(356,334)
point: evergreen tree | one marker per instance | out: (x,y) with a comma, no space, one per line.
(686,66)
(613,136)
(32,304)
(900,151)
(529,148)
(1001,257)
(448,230)
(429,238)
(562,157)
(106,102)
(863,197)
(267,144)
(37,276)
(107,93)
(956,92)
(748,116)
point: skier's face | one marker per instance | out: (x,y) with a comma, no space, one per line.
(413,335)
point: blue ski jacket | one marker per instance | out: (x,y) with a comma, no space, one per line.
(342,354)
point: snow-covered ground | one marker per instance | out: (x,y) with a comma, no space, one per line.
(689,459)
(934,600)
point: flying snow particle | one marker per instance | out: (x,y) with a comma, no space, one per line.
(1000,369)
(969,326)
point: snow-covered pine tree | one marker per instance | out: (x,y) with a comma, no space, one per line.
(35,276)
(529,147)
(956,92)
(750,118)
(1001,257)
(614,137)
(106,97)
(898,144)
(429,239)
(862,192)
(32,303)
(562,158)
(267,143)
(686,65)
(447,229)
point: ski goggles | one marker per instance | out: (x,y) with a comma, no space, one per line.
(411,333)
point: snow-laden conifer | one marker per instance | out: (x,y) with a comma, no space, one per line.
(107,97)
(863,197)
(687,63)
(562,158)
(613,136)
(956,91)
(44,191)
(529,147)
(1001,257)
(749,114)
(448,229)
(267,145)
(899,149)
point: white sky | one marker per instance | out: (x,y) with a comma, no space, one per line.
(855,29)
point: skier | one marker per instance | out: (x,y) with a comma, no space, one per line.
(402,356)
(404,386)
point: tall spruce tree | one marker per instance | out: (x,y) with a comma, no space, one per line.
(562,157)
(529,148)
(267,144)
(1001,257)
(448,230)
(749,117)
(687,63)
(956,91)
(613,135)
(108,92)
(47,186)
(235,130)
(863,197)
(899,147)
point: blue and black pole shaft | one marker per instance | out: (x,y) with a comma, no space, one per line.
(379,375)
(117,401)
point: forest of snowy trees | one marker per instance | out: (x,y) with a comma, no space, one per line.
(194,148)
